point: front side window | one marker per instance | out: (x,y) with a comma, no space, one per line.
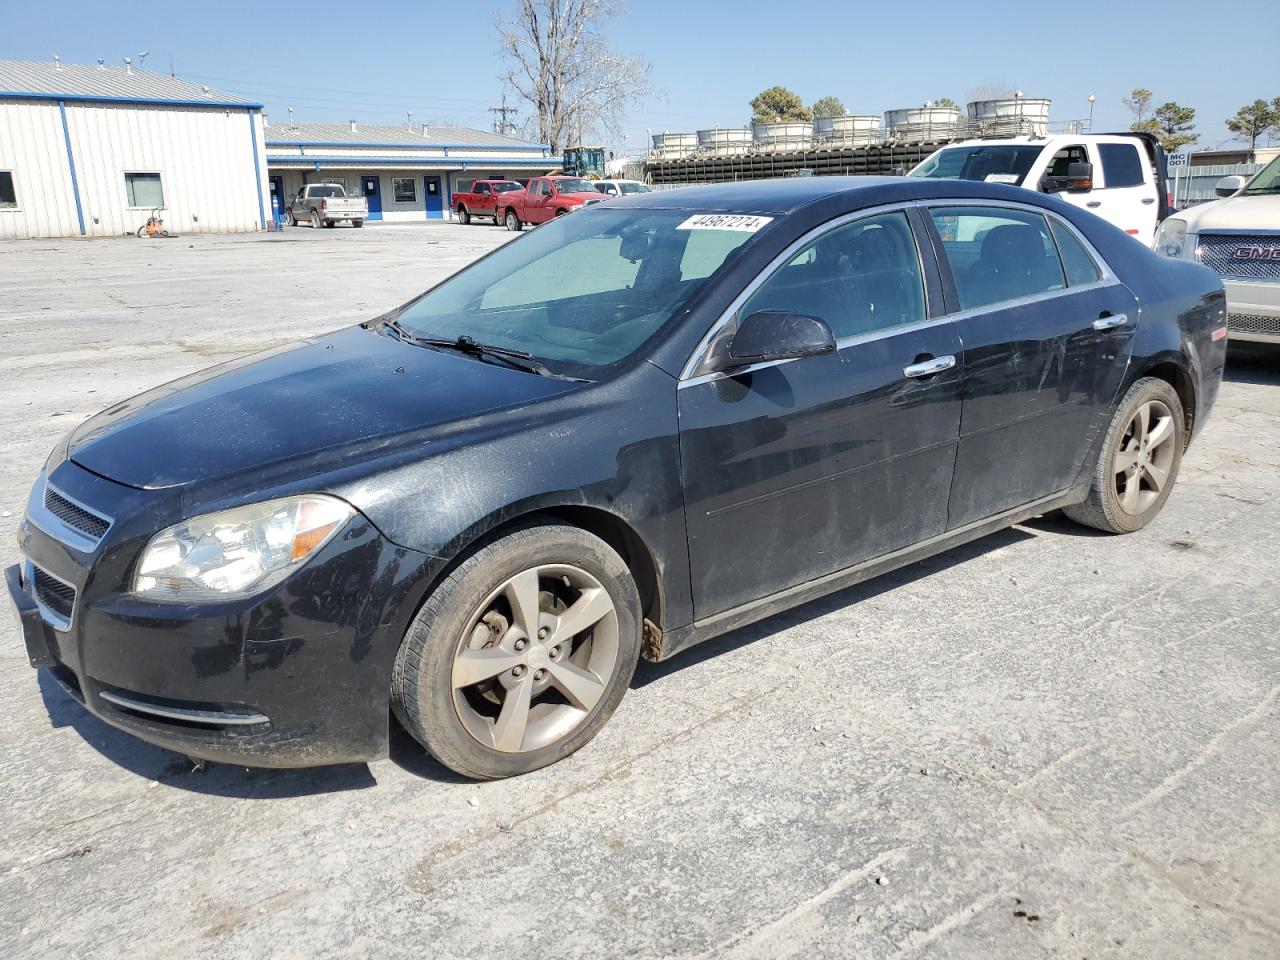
(580,292)
(544,188)
(1060,164)
(574,185)
(143,190)
(404,189)
(482,189)
(1079,265)
(8,192)
(1121,165)
(859,278)
(998,254)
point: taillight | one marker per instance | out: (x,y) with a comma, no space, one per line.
(324,203)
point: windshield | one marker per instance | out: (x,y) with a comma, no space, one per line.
(579,293)
(574,185)
(1267,179)
(636,188)
(994,164)
(506,187)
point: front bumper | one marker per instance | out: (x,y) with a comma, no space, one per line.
(299,676)
(1253,311)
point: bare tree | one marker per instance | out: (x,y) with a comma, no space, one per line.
(561,64)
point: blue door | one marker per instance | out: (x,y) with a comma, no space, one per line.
(278,201)
(435,202)
(372,186)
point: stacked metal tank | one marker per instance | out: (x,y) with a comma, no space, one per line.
(846,131)
(673,146)
(921,123)
(1009,116)
(783,136)
(724,141)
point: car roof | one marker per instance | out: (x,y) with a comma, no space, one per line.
(782,196)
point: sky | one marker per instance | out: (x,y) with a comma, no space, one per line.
(709,57)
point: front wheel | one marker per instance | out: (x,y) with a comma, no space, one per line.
(290,219)
(464,216)
(1139,462)
(513,222)
(521,654)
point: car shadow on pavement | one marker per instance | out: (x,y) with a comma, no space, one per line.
(648,672)
(175,770)
(1257,363)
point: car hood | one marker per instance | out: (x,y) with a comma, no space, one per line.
(1257,212)
(334,396)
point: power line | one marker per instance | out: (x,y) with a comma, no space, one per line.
(502,125)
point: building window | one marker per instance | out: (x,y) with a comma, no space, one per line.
(143,190)
(8,194)
(404,189)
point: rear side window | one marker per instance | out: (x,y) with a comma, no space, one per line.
(860,278)
(1079,265)
(8,195)
(998,254)
(1121,165)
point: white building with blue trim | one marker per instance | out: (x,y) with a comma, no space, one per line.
(405,173)
(92,150)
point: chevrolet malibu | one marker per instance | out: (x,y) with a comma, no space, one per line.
(623,433)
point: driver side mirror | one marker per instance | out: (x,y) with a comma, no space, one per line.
(1080,175)
(779,335)
(1229,185)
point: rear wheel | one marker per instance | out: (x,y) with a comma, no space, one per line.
(357,223)
(464,216)
(315,220)
(1139,462)
(520,655)
(330,224)
(513,222)
(561,213)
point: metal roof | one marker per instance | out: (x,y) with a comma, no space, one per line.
(375,135)
(76,81)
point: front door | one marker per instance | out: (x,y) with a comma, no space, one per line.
(371,184)
(1047,335)
(435,202)
(797,469)
(278,200)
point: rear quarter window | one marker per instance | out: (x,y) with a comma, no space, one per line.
(1121,165)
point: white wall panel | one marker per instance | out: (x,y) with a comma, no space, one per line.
(32,148)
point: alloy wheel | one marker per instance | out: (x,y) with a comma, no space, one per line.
(1145,457)
(536,658)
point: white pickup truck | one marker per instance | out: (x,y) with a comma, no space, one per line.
(1239,238)
(1118,176)
(324,204)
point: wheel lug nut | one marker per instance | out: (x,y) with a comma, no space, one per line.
(542,633)
(539,674)
(517,670)
(521,644)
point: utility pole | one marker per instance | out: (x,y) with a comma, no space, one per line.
(501,124)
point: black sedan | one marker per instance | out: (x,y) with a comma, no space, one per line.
(628,431)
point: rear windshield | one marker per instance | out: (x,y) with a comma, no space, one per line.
(995,164)
(506,187)
(327,190)
(580,293)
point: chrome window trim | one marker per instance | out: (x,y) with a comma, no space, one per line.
(42,517)
(696,357)
(51,617)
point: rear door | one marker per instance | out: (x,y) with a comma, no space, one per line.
(1126,194)
(1047,332)
(796,469)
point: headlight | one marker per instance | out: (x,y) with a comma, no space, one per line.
(1170,237)
(236,553)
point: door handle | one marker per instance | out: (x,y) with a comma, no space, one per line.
(927,368)
(1148,200)
(1111,322)
(1094,203)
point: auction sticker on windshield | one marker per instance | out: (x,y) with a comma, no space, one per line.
(724,221)
(1002,178)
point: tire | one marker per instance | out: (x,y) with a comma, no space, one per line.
(330,224)
(357,223)
(315,220)
(290,219)
(512,221)
(464,217)
(561,213)
(1139,462)
(462,723)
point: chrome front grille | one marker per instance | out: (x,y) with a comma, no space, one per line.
(56,597)
(1241,256)
(1252,323)
(74,515)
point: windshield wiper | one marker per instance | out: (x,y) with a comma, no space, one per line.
(516,359)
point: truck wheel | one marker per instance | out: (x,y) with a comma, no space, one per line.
(561,213)
(357,223)
(315,220)
(464,217)
(1139,462)
(521,654)
(513,222)
(330,224)
(290,219)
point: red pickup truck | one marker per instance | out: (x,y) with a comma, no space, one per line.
(544,199)
(482,199)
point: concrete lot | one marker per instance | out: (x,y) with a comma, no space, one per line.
(1046,744)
